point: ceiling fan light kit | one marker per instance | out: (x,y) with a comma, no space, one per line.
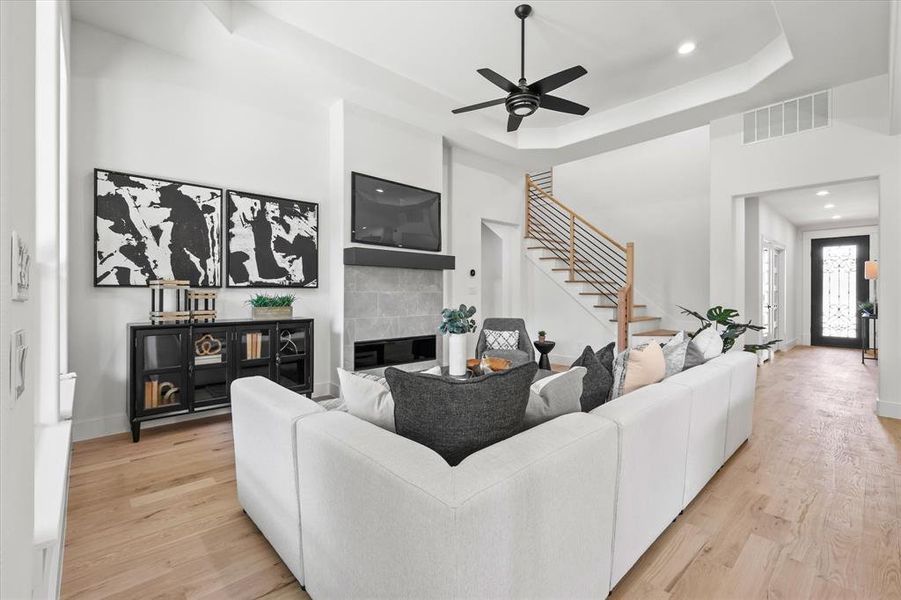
(523,99)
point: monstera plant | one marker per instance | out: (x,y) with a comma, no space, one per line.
(724,320)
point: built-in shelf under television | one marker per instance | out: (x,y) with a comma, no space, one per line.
(387,213)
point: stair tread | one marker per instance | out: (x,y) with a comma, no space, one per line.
(639,319)
(657,333)
(614,306)
(587,281)
(578,270)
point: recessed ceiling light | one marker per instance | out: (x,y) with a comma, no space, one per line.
(687,47)
(828,206)
(823,193)
(836,217)
(380,190)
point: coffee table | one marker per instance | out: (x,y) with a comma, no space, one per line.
(541,374)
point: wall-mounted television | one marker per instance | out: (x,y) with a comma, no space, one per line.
(387,213)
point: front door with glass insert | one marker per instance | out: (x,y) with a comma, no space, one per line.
(837,285)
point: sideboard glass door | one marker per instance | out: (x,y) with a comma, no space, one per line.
(210,363)
(162,371)
(253,351)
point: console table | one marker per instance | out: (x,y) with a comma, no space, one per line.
(868,352)
(183,368)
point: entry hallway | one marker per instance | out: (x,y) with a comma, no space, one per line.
(810,507)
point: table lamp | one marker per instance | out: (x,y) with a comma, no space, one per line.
(871,273)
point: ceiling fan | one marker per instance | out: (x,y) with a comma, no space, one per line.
(522,99)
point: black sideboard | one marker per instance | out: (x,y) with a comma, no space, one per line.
(183,368)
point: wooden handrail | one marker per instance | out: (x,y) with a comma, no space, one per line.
(531,184)
(564,245)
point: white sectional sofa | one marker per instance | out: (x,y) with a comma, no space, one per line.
(561,510)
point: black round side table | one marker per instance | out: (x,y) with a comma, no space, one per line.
(544,348)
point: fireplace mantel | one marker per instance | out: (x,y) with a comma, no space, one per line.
(375,257)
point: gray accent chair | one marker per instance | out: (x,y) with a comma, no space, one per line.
(524,354)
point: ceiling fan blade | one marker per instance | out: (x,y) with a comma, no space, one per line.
(552,82)
(498,80)
(562,105)
(457,111)
(513,122)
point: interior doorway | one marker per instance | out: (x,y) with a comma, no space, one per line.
(500,265)
(492,273)
(837,285)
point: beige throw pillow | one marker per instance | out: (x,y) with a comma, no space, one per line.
(367,396)
(637,367)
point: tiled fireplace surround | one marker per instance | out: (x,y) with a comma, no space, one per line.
(390,302)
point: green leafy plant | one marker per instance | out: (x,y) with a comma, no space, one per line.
(542,333)
(724,320)
(271,300)
(457,320)
(866,308)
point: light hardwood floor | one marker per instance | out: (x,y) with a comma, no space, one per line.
(810,507)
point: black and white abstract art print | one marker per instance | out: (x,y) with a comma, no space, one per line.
(272,242)
(147,228)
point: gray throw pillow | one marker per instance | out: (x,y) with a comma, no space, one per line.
(597,381)
(456,417)
(674,352)
(694,356)
(606,355)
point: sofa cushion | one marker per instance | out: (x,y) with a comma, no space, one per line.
(674,353)
(458,417)
(709,342)
(501,340)
(597,381)
(555,395)
(368,397)
(637,367)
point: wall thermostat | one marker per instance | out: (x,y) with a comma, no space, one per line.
(472,272)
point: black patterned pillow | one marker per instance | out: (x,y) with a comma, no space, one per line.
(501,340)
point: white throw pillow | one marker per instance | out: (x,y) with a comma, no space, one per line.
(501,340)
(553,396)
(709,342)
(674,352)
(367,396)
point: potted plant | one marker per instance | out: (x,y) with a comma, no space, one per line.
(456,323)
(541,336)
(272,306)
(723,321)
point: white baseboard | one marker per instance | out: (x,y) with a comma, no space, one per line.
(891,410)
(788,345)
(86,429)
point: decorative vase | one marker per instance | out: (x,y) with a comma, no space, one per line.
(272,312)
(457,352)
(541,338)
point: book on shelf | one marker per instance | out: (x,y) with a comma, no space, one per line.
(208,359)
(253,346)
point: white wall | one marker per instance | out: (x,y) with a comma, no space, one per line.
(773,227)
(855,146)
(17,204)
(137,109)
(482,190)
(655,194)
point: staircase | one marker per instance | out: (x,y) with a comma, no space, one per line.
(594,264)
